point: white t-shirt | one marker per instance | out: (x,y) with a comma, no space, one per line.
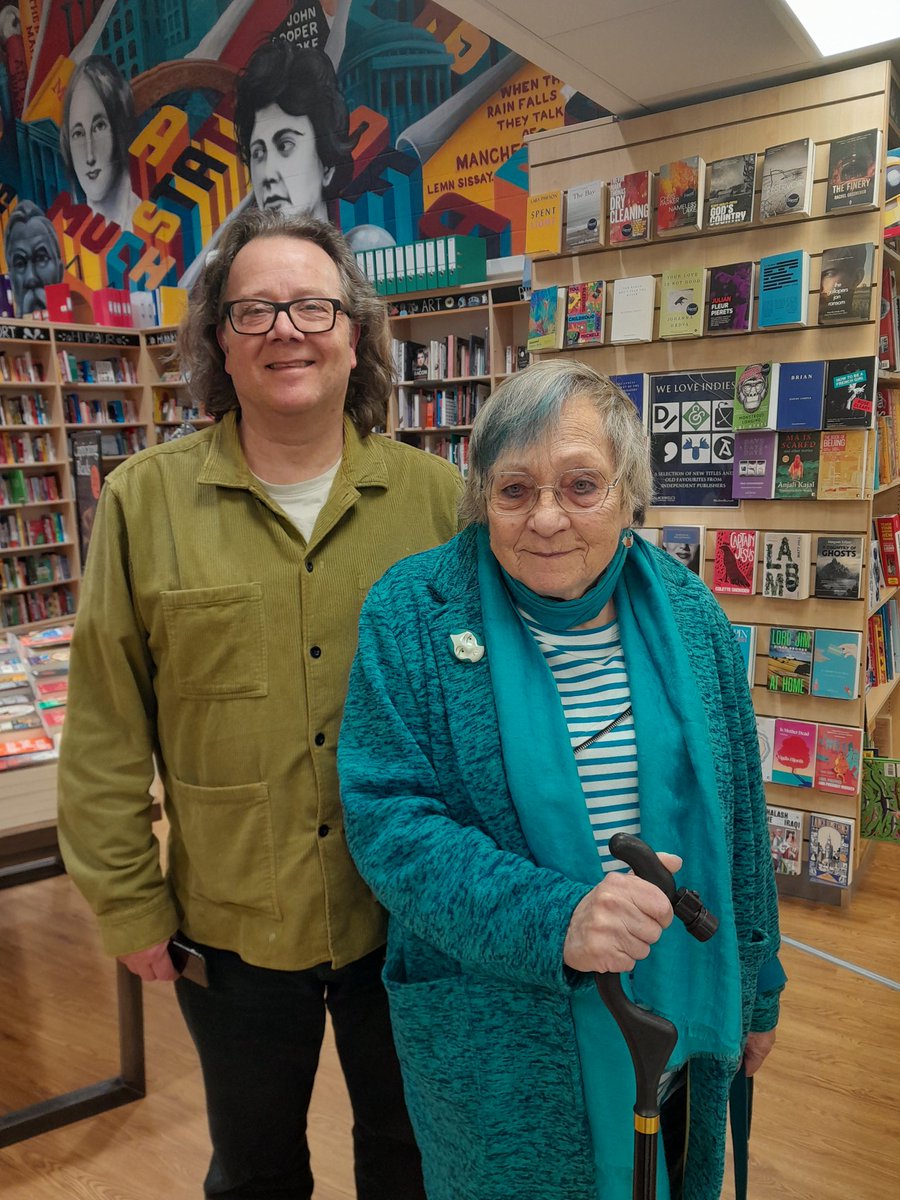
(302,502)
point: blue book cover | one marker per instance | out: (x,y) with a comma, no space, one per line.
(636,386)
(801,391)
(835,673)
(745,636)
(783,289)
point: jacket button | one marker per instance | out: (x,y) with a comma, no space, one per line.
(309,565)
(315,651)
(320,739)
(323,830)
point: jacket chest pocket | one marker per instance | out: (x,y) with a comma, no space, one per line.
(217,641)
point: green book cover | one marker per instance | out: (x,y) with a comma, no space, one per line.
(797,465)
(755,391)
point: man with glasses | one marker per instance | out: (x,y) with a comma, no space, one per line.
(217,623)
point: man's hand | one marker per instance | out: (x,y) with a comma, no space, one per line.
(151,964)
(756,1050)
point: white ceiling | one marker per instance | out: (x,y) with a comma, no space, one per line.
(634,56)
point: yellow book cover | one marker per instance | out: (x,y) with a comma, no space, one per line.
(842,464)
(681,302)
(544,224)
(172,304)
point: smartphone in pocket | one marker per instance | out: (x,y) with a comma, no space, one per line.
(188,961)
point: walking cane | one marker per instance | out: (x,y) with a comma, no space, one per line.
(650,1038)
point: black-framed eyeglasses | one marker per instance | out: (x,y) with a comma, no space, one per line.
(515,493)
(310,314)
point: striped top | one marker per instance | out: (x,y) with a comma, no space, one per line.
(588,667)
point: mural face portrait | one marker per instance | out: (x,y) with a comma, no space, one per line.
(91,144)
(33,260)
(285,169)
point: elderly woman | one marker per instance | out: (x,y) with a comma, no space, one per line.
(519,694)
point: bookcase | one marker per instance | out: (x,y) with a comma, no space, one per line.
(169,403)
(821,109)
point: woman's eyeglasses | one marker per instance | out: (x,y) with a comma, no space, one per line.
(515,493)
(312,314)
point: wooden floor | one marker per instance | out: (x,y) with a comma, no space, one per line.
(826,1107)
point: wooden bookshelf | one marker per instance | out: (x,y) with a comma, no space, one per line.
(821,109)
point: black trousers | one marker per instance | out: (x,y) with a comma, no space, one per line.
(258,1033)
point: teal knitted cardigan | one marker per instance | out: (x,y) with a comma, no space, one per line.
(478,990)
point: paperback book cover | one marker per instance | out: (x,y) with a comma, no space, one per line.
(765,733)
(880,815)
(794,758)
(586,215)
(685,542)
(734,564)
(842,464)
(691,442)
(831,849)
(836,660)
(681,302)
(756,397)
(633,303)
(787,179)
(730,298)
(87,466)
(636,386)
(786,566)
(783,290)
(650,535)
(790,660)
(681,185)
(838,759)
(801,394)
(839,565)
(544,223)
(785,838)
(629,208)
(854,165)
(797,465)
(745,636)
(850,392)
(888,327)
(547,318)
(753,476)
(887,528)
(845,283)
(731,183)
(584,313)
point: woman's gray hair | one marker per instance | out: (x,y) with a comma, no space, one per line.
(527,407)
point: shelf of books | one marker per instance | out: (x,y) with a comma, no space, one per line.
(169,402)
(450,349)
(726,264)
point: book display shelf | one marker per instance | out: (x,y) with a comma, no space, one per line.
(822,110)
(169,404)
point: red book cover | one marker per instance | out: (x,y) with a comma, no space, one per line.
(838,759)
(25,746)
(680,190)
(888,527)
(887,333)
(629,208)
(734,562)
(794,757)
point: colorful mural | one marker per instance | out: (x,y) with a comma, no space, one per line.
(130,132)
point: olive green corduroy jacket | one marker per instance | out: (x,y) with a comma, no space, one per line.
(211,637)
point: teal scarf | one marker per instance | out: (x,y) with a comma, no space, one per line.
(697,986)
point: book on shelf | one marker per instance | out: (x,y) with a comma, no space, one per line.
(787,180)
(785,838)
(765,735)
(838,759)
(633,303)
(691,440)
(745,636)
(887,528)
(630,198)
(880,803)
(753,470)
(839,566)
(585,313)
(843,455)
(679,195)
(801,394)
(836,662)
(544,223)
(685,543)
(636,386)
(854,172)
(730,307)
(652,536)
(796,465)
(888,326)
(783,290)
(731,183)
(586,208)
(786,565)
(794,756)
(547,318)
(845,283)
(831,849)
(876,574)
(734,563)
(756,397)
(850,385)
(682,297)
